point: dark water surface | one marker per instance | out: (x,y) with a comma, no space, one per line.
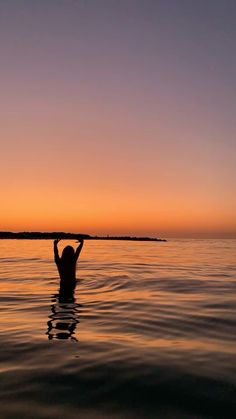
(150,333)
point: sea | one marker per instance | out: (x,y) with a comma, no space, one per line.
(150,331)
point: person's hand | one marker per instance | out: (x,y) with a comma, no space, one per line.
(56,241)
(80,241)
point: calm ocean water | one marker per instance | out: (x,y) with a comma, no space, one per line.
(151,332)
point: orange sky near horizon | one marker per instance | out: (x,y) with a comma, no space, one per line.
(110,131)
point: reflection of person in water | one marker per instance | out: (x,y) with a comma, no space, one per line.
(64,317)
(66,264)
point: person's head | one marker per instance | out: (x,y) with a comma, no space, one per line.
(68,254)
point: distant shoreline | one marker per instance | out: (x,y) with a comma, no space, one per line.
(70,236)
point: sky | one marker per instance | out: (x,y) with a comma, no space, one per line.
(118,117)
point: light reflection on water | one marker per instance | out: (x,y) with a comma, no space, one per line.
(150,331)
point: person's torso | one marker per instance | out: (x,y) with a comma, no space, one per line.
(67,272)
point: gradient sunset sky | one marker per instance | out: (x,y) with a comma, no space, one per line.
(118,116)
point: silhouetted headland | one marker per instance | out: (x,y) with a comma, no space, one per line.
(70,236)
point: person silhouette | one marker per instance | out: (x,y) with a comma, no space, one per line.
(66,264)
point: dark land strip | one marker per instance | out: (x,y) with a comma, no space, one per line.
(71,236)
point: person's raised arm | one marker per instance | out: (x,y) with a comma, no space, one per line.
(56,254)
(79,248)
